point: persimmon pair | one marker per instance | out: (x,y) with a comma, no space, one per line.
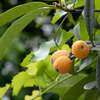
(61,61)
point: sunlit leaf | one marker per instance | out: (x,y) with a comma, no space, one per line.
(41,67)
(66,47)
(79,3)
(43,80)
(58,14)
(34,93)
(97,6)
(3,90)
(32,68)
(83,30)
(45,67)
(19,80)
(62,1)
(26,60)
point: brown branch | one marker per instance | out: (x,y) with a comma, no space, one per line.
(69,10)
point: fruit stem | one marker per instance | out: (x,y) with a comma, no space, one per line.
(69,55)
(93,44)
(72,58)
(49,88)
(38,84)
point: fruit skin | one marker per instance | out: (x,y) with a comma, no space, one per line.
(62,64)
(58,54)
(80,49)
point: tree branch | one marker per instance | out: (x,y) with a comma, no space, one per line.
(69,10)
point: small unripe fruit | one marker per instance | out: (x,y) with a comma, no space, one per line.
(80,49)
(58,54)
(62,64)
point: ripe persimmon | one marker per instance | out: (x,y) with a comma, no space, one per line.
(58,54)
(62,64)
(80,49)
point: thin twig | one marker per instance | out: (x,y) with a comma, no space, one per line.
(93,44)
(73,58)
(59,29)
(38,84)
(49,88)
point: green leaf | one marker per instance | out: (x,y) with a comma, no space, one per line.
(66,47)
(68,81)
(98,71)
(34,93)
(76,90)
(32,68)
(72,70)
(85,62)
(17,27)
(26,60)
(46,67)
(20,10)
(66,36)
(90,85)
(43,51)
(43,80)
(91,95)
(77,31)
(43,70)
(83,30)
(58,14)
(3,90)
(98,20)
(59,28)
(50,71)
(30,82)
(89,16)
(79,3)
(97,6)
(21,79)
(41,67)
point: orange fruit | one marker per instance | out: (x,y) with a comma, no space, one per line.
(58,54)
(80,49)
(62,64)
